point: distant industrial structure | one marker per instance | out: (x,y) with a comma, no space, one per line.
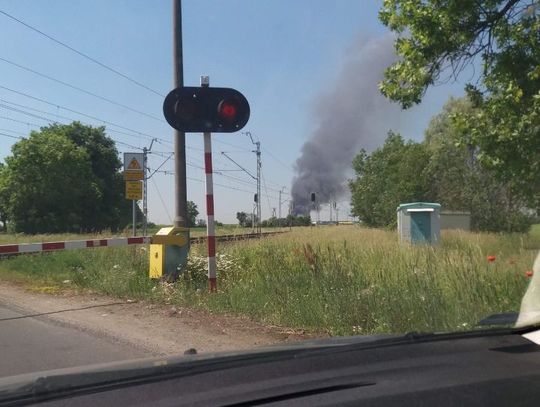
(455,220)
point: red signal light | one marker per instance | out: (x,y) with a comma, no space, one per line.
(227,110)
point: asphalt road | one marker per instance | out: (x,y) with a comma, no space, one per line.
(39,343)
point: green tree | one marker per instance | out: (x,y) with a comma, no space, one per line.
(437,39)
(192,213)
(393,174)
(453,163)
(50,185)
(459,182)
(201,223)
(300,220)
(65,178)
(112,209)
(242,218)
(271,222)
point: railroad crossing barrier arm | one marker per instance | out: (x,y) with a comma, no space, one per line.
(24,248)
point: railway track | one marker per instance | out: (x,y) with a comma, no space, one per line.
(232,238)
(15,249)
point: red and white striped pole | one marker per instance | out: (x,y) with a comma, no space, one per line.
(210,226)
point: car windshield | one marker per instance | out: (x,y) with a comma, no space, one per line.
(202,176)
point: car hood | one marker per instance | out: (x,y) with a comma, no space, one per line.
(142,369)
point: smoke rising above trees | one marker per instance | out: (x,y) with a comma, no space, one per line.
(350,115)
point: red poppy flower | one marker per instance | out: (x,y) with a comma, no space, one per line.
(528,273)
(491,259)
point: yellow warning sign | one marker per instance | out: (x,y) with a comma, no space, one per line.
(134,165)
(133,175)
(134,190)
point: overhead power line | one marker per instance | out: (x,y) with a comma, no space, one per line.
(166,155)
(161,199)
(288,166)
(50,120)
(136,133)
(55,120)
(36,125)
(79,89)
(15,132)
(20,121)
(239,180)
(168,172)
(128,145)
(13,109)
(82,54)
(9,135)
(48,102)
(160,165)
(32,109)
(243,149)
(266,190)
(219,185)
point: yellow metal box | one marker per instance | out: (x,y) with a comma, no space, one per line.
(168,253)
(157,260)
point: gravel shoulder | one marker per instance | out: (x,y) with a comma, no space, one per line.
(156,330)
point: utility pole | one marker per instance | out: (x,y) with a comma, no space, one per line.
(145,186)
(134,217)
(280,202)
(291,206)
(180,187)
(315,206)
(330,204)
(259,164)
(145,189)
(258,178)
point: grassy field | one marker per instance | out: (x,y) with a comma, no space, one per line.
(334,279)
(535,231)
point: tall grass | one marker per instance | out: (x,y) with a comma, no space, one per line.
(340,280)
(364,281)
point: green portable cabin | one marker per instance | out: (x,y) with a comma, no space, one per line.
(419,222)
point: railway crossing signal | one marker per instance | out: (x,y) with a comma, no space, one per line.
(206,110)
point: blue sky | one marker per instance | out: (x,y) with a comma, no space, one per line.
(281,54)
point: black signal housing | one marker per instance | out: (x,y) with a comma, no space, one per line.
(205,109)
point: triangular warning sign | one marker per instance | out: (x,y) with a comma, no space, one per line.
(134,165)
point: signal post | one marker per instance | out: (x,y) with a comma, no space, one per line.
(207,110)
(210,224)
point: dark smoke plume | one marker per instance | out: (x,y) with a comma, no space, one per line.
(351,115)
